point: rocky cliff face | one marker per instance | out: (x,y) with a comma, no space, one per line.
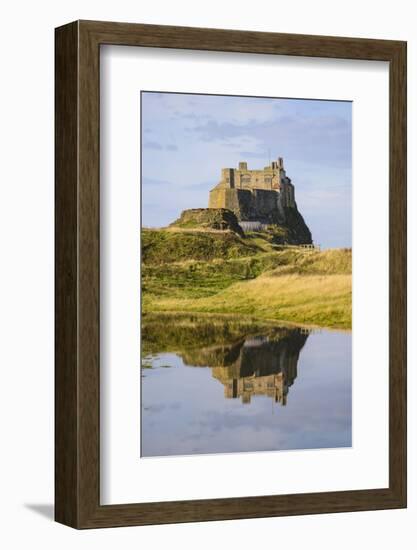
(295,230)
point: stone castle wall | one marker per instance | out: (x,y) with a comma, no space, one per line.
(249,205)
(255,195)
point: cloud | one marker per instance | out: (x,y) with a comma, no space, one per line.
(152,145)
(158,147)
(198,107)
(152,182)
(324,139)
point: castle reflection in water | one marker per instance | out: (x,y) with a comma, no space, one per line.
(258,365)
(255,364)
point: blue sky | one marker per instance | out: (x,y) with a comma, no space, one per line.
(188,138)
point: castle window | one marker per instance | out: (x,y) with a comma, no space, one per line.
(245,179)
(227,180)
(268,179)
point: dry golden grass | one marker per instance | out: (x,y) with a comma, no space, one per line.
(323,300)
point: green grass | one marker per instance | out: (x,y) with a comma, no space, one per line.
(222,273)
(195,279)
(165,246)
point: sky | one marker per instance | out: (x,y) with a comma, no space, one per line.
(186,140)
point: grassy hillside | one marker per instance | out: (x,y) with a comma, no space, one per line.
(185,271)
(171,245)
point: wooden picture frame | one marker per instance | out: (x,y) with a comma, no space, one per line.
(77,382)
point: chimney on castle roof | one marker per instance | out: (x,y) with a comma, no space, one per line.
(280,162)
(243,165)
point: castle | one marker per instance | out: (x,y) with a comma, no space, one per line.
(264,366)
(258,197)
(245,201)
(253,365)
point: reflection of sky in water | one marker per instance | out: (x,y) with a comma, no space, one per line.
(184,410)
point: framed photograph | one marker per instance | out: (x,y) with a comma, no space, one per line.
(230,274)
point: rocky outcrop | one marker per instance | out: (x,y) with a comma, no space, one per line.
(220,219)
(291,229)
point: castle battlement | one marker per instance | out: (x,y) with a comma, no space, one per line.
(271,178)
